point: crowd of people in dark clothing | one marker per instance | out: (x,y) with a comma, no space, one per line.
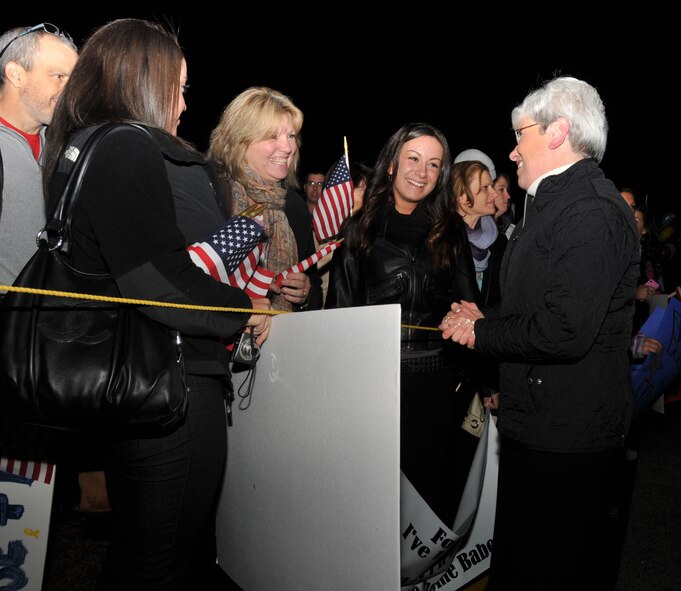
(533,307)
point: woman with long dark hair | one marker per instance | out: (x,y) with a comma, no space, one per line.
(407,245)
(144,198)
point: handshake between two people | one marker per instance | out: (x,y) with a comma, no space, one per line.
(459,323)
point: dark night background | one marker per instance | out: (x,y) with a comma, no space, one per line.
(361,77)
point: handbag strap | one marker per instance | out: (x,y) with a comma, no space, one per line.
(54,235)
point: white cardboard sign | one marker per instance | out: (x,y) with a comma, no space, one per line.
(312,493)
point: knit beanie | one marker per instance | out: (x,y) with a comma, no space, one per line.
(473,154)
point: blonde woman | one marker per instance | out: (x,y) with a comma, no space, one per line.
(256,144)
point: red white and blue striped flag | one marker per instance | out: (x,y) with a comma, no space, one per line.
(335,204)
(232,253)
(38,471)
(251,277)
(313,259)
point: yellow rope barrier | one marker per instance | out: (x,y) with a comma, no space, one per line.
(101,298)
(420,327)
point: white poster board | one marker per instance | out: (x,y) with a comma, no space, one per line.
(311,496)
(312,492)
(26,490)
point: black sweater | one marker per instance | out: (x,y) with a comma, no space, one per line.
(125,223)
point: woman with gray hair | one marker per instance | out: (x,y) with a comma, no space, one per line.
(562,331)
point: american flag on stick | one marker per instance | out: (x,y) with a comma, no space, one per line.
(231,254)
(259,280)
(335,204)
(313,259)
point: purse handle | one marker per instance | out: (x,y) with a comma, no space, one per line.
(54,235)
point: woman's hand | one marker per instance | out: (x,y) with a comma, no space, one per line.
(260,323)
(651,345)
(644,292)
(295,288)
(459,324)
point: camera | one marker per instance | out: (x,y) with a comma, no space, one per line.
(246,350)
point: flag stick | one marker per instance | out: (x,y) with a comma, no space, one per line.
(347,163)
(254,210)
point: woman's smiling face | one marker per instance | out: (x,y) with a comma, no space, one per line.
(270,158)
(418,171)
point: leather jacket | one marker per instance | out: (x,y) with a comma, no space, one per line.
(395,272)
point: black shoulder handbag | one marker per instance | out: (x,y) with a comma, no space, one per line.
(80,364)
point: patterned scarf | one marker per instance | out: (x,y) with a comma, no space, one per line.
(281,250)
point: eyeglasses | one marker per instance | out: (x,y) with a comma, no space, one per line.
(319,184)
(518,132)
(47,27)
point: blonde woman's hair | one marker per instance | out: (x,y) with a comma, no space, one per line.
(252,116)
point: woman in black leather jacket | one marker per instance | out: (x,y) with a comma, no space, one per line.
(407,245)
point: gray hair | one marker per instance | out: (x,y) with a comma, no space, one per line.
(23,50)
(579,103)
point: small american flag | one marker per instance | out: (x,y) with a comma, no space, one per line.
(251,277)
(232,253)
(335,204)
(309,261)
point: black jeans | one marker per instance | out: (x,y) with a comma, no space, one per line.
(164,493)
(435,452)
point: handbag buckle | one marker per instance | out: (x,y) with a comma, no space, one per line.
(49,238)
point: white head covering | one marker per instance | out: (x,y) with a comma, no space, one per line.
(473,154)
